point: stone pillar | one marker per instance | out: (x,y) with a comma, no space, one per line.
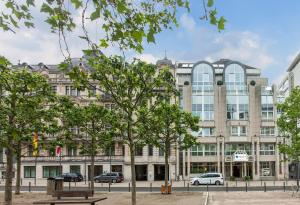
(177,164)
(183,164)
(253,157)
(257,158)
(245,168)
(218,154)
(223,156)
(189,164)
(277,154)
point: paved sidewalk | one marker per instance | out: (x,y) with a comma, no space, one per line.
(253,198)
(43,182)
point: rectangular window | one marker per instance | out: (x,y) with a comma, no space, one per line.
(75,169)
(138,151)
(238,130)
(71,151)
(150,150)
(203,167)
(267,107)
(29,171)
(267,149)
(54,89)
(231,148)
(71,91)
(92,92)
(267,131)
(51,171)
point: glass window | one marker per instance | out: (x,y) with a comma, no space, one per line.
(75,169)
(267,149)
(71,91)
(29,171)
(71,151)
(203,167)
(138,151)
(267,107)
(54,88)
(231,148)
(51,171)
(150,150)
(267,131)
(203,92)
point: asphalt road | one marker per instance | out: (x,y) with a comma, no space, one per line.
(179,189)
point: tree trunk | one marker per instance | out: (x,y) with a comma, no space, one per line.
(9,173)
(133,177)
(92,171)
(166,167)
(18,179)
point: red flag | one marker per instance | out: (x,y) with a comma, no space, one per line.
(58,151)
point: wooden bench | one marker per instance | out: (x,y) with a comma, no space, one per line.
(71,201)
(73,193)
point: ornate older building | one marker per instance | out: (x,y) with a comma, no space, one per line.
(238,135)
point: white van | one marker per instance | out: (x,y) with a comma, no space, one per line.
(208,178)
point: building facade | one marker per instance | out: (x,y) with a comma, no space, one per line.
(238,135)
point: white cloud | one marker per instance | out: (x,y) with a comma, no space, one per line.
(187,22)
(148,57)
(244,46)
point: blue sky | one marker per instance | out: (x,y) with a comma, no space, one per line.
(263,34)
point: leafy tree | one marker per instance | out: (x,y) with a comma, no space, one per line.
(287,123)
(133,89)
(96,124)
(169,127)
(123,22)
(21,92)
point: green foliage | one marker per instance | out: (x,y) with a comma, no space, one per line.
(287,123)
(169,125)
(127,23)
(23,92)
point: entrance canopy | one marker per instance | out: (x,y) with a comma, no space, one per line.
(240,156)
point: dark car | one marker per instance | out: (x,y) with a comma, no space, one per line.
(113,177)
(71,177)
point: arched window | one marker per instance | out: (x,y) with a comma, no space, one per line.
(202,91)
(237,96)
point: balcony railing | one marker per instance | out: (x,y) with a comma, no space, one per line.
(98,158)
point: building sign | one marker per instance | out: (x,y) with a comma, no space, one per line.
(240,156)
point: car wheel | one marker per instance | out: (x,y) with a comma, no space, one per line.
(114,181)
(196,183)
(218,183)
(97,180)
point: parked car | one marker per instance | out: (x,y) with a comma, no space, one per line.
(71,177)
(208,178)
(113,177)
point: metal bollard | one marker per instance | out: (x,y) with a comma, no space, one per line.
(109,186)
(246,187)
(188,186)
(226,186)
(265,187)
(183,183)
(150,187)
(261,182)
(235,183)
(21,181)
(89,185)
(207,187)
(75,183)
(101,184)
(29,186)
(129,187)
(283,186)
(69,185)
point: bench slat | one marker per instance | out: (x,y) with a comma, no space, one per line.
(70,201)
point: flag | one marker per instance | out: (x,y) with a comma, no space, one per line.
(35,144)
(58,151)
